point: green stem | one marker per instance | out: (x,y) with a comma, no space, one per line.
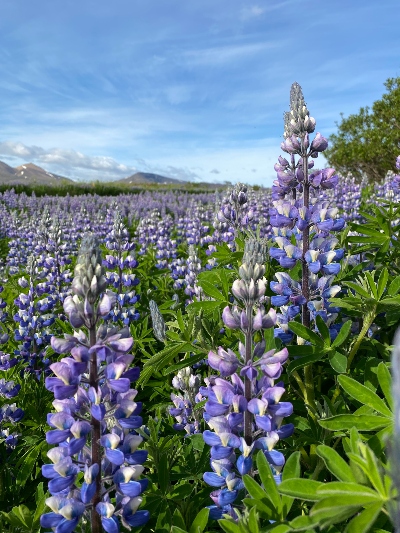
(368,319)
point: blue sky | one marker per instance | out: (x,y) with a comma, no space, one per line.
(190,89)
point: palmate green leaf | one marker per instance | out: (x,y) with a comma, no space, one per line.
(359,289)
(162,359)
(20,517)
(364,395)
(305,489)
(335,463)
(363,522)
(184,363)
(25,466)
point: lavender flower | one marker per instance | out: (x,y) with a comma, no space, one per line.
(243,405)
(96,415)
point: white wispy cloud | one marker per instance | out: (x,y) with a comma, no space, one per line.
(252,11)
(66,161)
(227,53)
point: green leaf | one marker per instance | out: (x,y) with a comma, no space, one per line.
(338,362)
(162,359)
(253,521)
(268,481)
(382,282)
(364,395)
(200,522)
(291,470)
(356,287)
(189,361)
(178,521)
(211,290)
(364,493)
(292,467)
(336,508)
(254,489)
(24,516)
(305,333)
(363,522)
(180,492)
(361,422)
(394,286)
(304,361)
(228,526)
(385,383)
(281,528)
(180,321)
(343,334)
(206,306)
(371,284)
(302,523)
(25,465)
(372,470)
(305,489)
(335,463)
(163,474)
(323,330)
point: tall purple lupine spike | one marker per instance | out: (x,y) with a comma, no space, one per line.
(303,225)
(94,426)
(243,407)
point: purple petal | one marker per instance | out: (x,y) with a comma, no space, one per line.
(213,479)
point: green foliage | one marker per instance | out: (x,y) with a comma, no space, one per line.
(362,494)
(26,519)
(367,143)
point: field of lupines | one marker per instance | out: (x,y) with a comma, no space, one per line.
(204,362)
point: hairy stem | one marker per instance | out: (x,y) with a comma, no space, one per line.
(305,287)
(96,434)
(368,319)
(248,437)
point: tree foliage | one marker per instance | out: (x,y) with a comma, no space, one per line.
(367,143)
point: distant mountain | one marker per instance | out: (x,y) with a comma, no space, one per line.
(147,177)
(29,174)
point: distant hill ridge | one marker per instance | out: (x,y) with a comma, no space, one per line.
(31,174)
